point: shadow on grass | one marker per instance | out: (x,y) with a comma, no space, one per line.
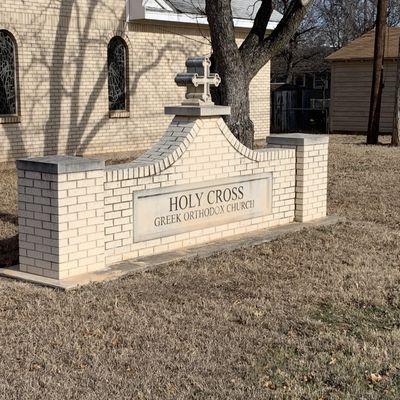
(379,144)
(359,319)
(9,251)
(10,218)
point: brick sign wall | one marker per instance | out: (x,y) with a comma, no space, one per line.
(196,185)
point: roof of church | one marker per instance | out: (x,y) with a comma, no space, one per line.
(363,47)
(192,11)
(242,9)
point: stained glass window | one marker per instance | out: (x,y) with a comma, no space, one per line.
(117,74)
(8,92)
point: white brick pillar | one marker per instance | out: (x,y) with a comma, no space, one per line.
(61,216)
(311,172)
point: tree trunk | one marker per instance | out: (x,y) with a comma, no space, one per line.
(226,60)
(289,63)
(376,90)
(237,67)
(396,119)
(236,95)
(234,91)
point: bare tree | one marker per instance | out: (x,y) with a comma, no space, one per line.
(342,21)
(305,53)
(377,77)
(328,26)
(239,65)
(394,13)
(303,49)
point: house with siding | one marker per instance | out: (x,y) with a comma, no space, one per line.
(351,81)
(90,77)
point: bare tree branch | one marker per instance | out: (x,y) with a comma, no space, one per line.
(276,41)
(257,34)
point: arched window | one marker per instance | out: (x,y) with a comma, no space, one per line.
(117,59)
(8,72)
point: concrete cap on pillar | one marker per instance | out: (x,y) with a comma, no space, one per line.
(297,139)
(59,164)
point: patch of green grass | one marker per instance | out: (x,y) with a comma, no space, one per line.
(359,320)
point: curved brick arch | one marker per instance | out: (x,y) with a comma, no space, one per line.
(14,34)
(122,34)
(253,155)
(165,152)
(175,142)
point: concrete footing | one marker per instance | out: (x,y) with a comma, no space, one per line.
(153,261)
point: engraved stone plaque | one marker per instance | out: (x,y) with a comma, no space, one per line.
(169,211)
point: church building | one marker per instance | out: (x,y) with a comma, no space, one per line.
(90,77)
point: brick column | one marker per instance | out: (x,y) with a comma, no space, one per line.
(61,216)
(311,172)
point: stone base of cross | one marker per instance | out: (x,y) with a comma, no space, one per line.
(198,81)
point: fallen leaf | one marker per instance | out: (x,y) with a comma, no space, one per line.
(375,378)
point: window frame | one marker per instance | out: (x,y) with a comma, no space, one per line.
(125,113)
(16,117)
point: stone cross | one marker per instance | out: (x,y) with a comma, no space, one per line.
(198,81)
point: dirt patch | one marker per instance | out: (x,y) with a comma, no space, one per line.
(123,158)
(314,315)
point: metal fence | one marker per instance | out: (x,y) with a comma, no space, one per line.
(300,120)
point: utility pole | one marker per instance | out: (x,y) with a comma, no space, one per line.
(396,119)
(377,77)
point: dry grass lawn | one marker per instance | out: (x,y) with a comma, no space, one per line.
(315,315)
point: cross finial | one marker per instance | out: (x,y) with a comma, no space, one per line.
(198,81)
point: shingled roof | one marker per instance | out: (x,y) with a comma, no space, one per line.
(363,47)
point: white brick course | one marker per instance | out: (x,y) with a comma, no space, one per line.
(55,258)
(311,174)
